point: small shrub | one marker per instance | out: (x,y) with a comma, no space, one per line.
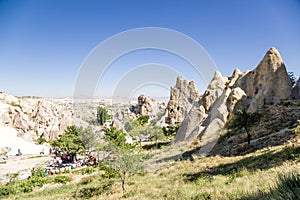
(62,179)
(24,186)
(89,192)
(6,190)
(296,130)
(108,171)
(291,152)
(41,140)
(86,180)
(88,170)
(15,104)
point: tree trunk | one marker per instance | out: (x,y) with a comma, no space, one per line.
(248,136)
(123,176)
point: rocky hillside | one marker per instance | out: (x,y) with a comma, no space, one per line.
(266,85)
(34,117)
(144,106)
(275,127)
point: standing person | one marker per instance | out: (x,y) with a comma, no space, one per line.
(19,153)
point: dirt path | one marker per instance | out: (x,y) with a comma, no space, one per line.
(22,165)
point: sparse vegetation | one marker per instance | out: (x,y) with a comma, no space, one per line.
(264,174)
(126,163)
(70,141)
(292,77)
(15,104)
(41,140)
(117,138)
(88,138)
(155,134)
(296,130)
(244,120)
(102,115)
(171,130)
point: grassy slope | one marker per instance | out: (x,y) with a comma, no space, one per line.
(214,177)
(238,177)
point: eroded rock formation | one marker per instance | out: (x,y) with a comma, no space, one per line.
(268,83)
(34,117)
(182,97)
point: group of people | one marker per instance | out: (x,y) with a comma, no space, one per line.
(65,162)
(62,161)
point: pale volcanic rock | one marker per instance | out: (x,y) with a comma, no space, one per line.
(182,98)
(268,83)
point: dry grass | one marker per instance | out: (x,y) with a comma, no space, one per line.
(206,178)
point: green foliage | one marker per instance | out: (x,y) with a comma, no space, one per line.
(286,187)
(137,123)
(88,137)
(12,177)
(87,170)
(126,163)
(15,104)
(86,180)
(38,172)
(92,191)
(102,115)
(69,140)
(109,172)
(171,130)
(41,140)
(156,133)
(62,179)
(28,185)
(244,120)
(131,125)
(296,130)
(117,138)
(292,77)
(143,120)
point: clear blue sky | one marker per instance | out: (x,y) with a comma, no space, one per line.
(44,42)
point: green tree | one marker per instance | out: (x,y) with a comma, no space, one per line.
(136,127)
(131,125)
(117,138)
(292,77)
(69,141)
(102,115)
(155,134)
(143,120)
(126,163)
(88,138)
(170,130)
(244,120)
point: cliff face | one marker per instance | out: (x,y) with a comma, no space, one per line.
(267,84)
(34,117)
(182,97)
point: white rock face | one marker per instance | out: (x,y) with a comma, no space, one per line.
(211,109)
(182,98)
(34,117)
(11,142)
(148,106)
(268,83)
